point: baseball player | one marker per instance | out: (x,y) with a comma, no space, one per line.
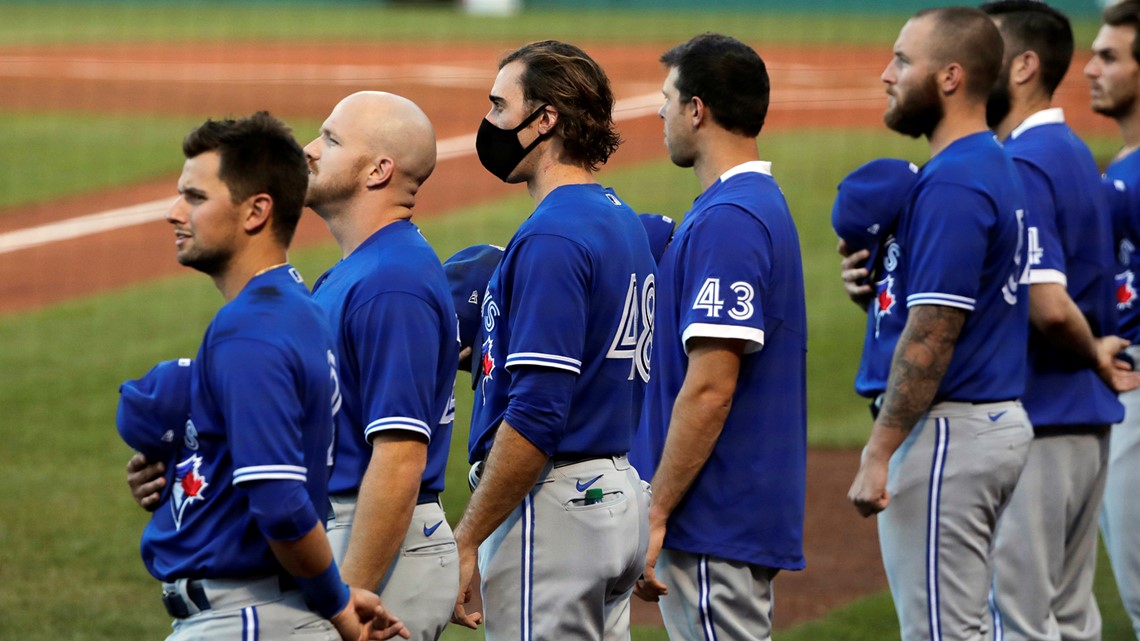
(239,543)
(725,410)
(395,329)
(558,517)
(865,217)
(951,438)
(1045,550)
(1114,75)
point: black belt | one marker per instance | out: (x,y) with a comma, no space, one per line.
(1045,431)
(177,607)
(877,403)
(427,497)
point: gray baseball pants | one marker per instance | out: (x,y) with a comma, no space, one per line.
(1045,553)
(562,567)
(948,482)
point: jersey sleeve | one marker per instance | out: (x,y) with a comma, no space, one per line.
(397,339)
(727,270)
(946,244)
(1046,257)
(257,389)
(549,280)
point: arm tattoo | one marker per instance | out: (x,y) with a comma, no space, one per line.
(921,358)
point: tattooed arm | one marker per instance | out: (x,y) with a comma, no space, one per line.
(920,361)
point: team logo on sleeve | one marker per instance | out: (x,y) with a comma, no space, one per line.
(1125,290)
(885,300)
(487,369)
(188,486)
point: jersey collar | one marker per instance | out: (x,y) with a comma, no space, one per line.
(1053,116)
(750,167)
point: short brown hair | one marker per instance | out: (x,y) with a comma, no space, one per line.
(566,78)
(1126,13)
(969,37)
(1035,26)
(727,75)
(258,155)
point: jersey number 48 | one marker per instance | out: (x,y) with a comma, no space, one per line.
(634,336)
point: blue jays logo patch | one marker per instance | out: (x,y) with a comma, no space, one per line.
(1125,290)
(487,370)
(885,300)
(188,487)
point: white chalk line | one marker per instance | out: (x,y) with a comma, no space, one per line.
(450,148)
(155,210)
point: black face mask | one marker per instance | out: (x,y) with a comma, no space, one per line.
(500,150)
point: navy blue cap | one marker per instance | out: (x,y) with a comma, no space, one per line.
(870,200)
(468,272)
(660,231)
(153,411)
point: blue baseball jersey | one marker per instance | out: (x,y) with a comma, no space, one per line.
(261,394)
(963,241)
(573,292)
(1070,244)
(397,340)
(886,317)
(1124,177)
(734,271)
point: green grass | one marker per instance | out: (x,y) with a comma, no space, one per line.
(53,155)
(138,22)
(70,23)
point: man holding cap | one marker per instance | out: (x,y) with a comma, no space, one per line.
(865,217)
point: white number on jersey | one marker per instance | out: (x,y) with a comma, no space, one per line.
(709,298)
(744,294)
(1020,273)
(634,336)
(1035,249)
(336,402)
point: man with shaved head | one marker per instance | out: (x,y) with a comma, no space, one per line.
(397,346)
(951,438)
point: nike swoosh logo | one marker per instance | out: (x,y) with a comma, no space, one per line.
(582,487)
(994,416)
(428,531)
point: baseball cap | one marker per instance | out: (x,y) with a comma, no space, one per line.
(153,411)
(468,272)
(660,231)
(870,200)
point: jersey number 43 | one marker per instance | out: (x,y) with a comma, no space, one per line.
(634,336)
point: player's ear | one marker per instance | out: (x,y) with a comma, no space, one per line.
(1024,67)
(258,210)
(700,111)
(950,78)
(548,120)
(380,172)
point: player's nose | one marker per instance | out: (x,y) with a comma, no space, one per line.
(176,215)
(1092,69)
(311,150)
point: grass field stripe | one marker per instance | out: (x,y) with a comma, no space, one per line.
(85,225)
(446,149)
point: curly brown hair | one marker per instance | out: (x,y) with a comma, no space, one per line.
(566,78)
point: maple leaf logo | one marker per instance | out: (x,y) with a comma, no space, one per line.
(1125,290)
(188,486)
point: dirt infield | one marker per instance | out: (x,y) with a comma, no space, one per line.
(816,87)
